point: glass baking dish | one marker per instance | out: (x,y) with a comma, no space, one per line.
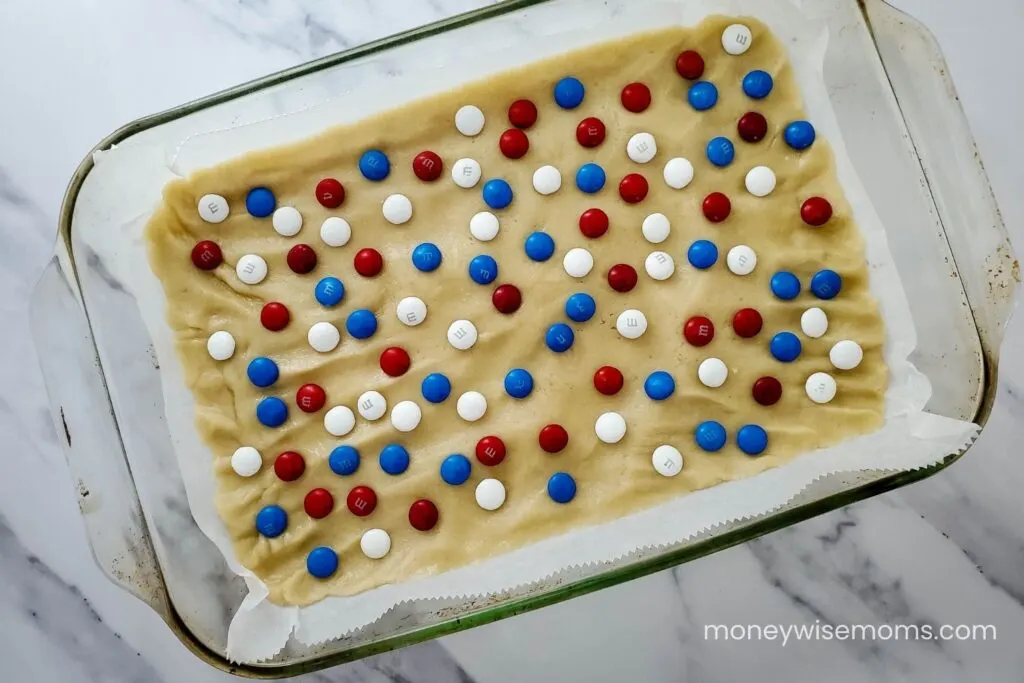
(907,138)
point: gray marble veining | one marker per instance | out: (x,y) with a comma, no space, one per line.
(949,550)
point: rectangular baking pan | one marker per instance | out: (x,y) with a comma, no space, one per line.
(908,140)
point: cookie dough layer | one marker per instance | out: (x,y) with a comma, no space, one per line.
(614,480)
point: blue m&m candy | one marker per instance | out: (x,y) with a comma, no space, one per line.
(374,165)
(785,347)
(329,292)
(826,284)
(271,412)
(518,383)
(561,487)
(702,95)
(497,193)
(758,84)
(785,285)
(659,385)
(569,93)
(721,152)
(799,135)
(752,439)
(361,323)
(702,254)
(590,178)
(580,307)
(394,459)
(426,257)
(436,388)
(260,202)
(344,460)
(262,371)
(559,337)
(483,269)
(539,246)
(271,521)
(710,436)
(322,562)
(455,469)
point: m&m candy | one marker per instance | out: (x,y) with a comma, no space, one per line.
(455,469)
(659,385)
(580,307)
(752,127)
(427,166)
(483,269)
(330,193)
(608,380)
(289,466)
(767,391)
(702,95)
(559,337)
(318,503)
(747,323)
(590,178)
(539,246)
(826,284)
(561,487)
(590,132)
(514,144)
(322,562)
(720,151)
(659,265)
(690,65)
(785,285)
(262,371)
(593,223)
(423,515)
(799,135)
(710,436)
(301,259)
(518,383)
(702,254)
(635,97)
(758,84)
(522,113)
(436,388)
(206,255)
(699,331)
(497,193)
(260,202)
(816,211)
(633,188)
(368,262)
(394,361)
(271,412)
(569,92)
(716,207)
(393,459)
(785,347)
(752,439)
(271,521)
(310,398)
(506,299)
(344,460)
(274,316)
(361,501)
(426,257)
(622,277)
(361,323)
(490,451)
(329,292)
(374,165)
(553,438)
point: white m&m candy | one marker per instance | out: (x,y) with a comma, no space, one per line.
(656,228)
(678,173)
(736,39)
(846,354)
(578,262)
(462,335)
(820,387)
(471,406)
(339,420)
(412,311)
(631,323)
(220,345)
(251,269)
(760,181)
(287,221)
(741,260)
(469,120)
(323,337)
(466,173)
(490,494)
(375,543)
(484,226)
(547,180)
(641,148)
(659,265)
(406,416)
(814,323)
(610,427)
(372,405)
(213,208)
(667,460)
(335,232)
(712,372)
(246,461)
(397,209)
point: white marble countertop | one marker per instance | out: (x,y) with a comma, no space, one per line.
(947,551)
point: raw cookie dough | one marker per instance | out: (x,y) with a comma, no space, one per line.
(613,480)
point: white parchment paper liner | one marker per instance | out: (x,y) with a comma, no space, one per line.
(910,438)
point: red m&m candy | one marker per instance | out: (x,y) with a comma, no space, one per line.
(423,515)
(608,380)
(690,65)
(206,255)
(622,277)
(767,391)
(716,207)
(394,361)
(507,299)
(752,127)
(310,398)
(513,143)
(747,322)
(590,132)
(636,97)
(633,188)
(301,259)
(699,331)
(553,438)
(274,316)
(522,113)
(368,262)
(490,450)
(427,166)
(330,193)
(361,501)
(318,503)
(816,211)
(593,223)
(289,466)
